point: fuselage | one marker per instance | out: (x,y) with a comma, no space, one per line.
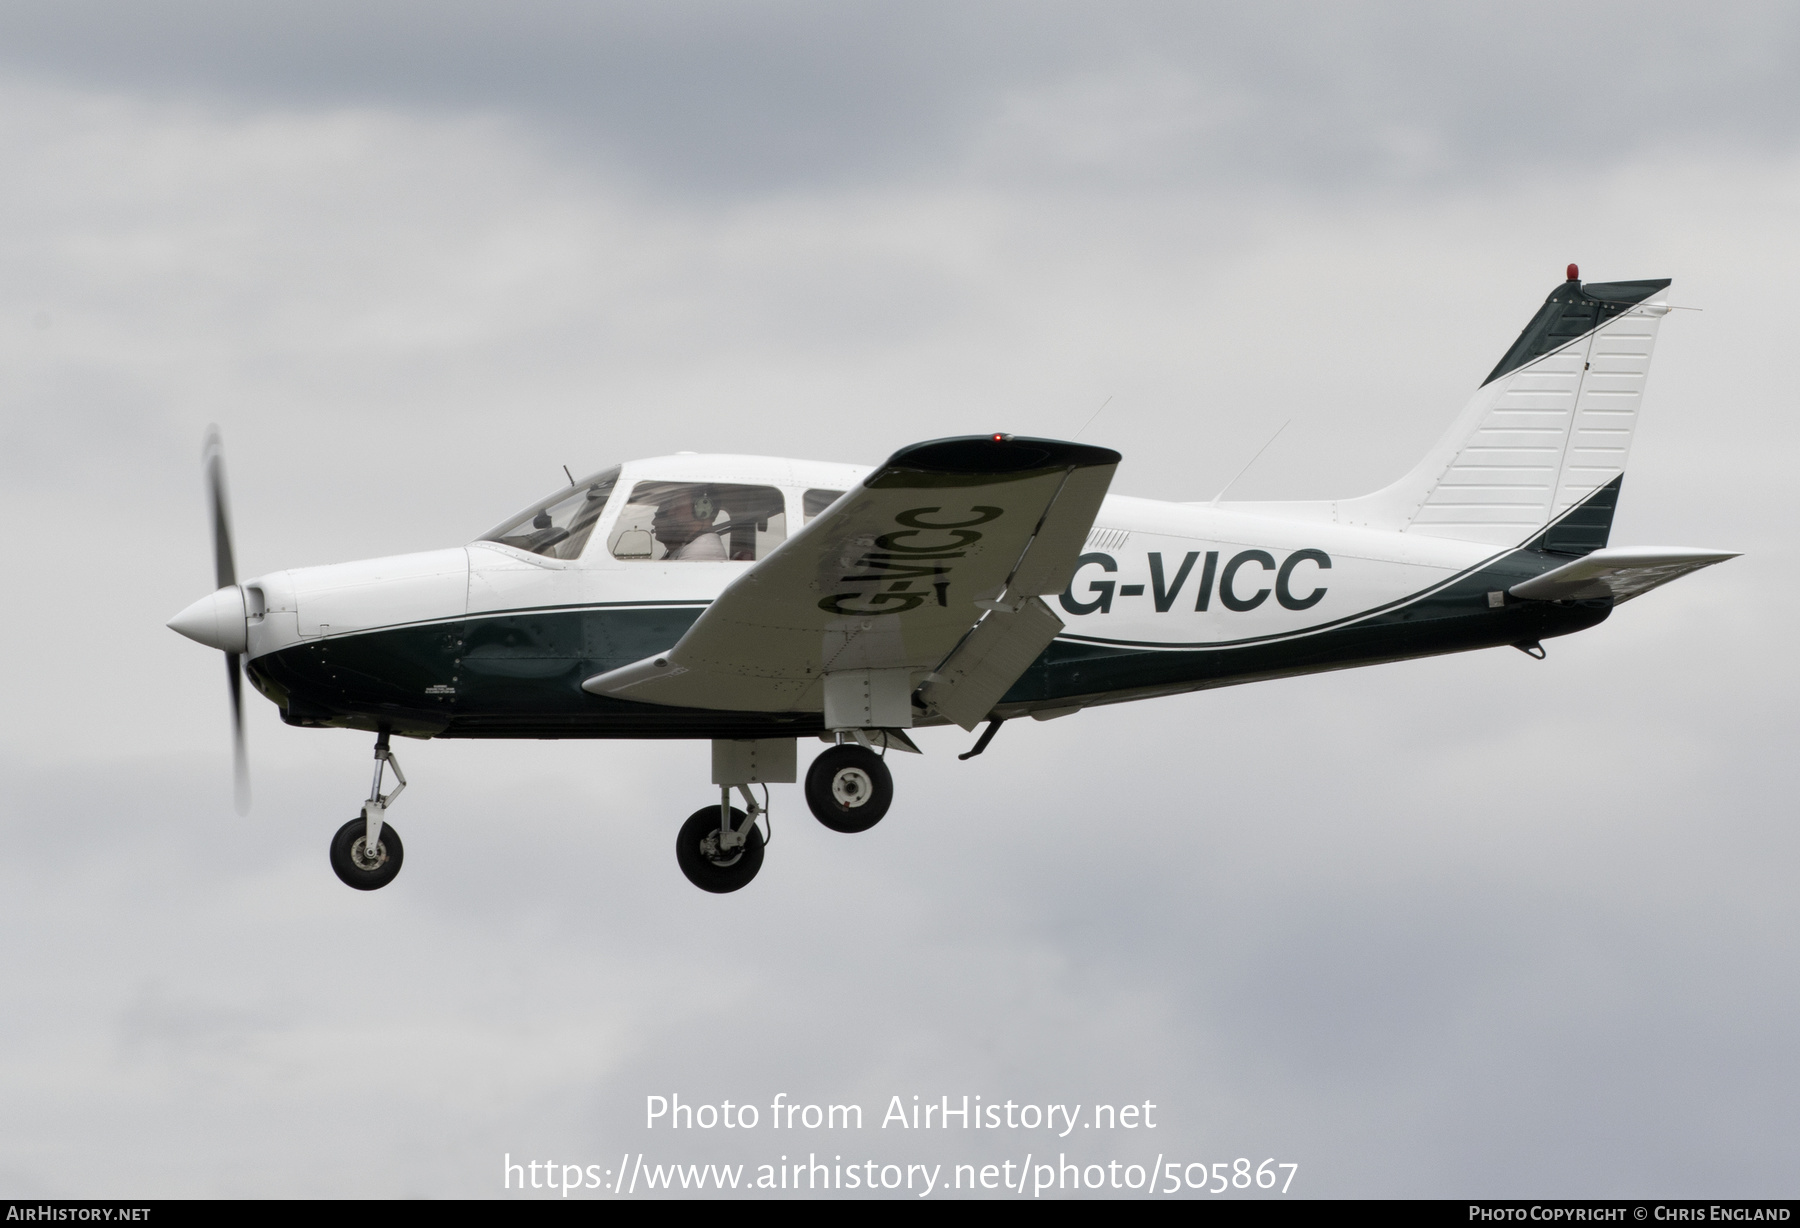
(493,639)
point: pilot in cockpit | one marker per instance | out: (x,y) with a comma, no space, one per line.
(684,525)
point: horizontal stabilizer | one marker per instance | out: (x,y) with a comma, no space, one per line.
(1619,574)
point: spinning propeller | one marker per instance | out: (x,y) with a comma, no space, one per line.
(218,620)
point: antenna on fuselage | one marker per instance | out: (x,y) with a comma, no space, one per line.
(571,476)
(1246,469)
(1096,414)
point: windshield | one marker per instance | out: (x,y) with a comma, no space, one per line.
(558,527)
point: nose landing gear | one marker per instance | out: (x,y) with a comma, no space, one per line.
(366,853)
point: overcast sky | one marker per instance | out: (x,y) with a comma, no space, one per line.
(1469,926)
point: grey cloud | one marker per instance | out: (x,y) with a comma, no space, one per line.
(728,98)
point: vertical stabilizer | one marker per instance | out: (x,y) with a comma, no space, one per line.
(1549,431)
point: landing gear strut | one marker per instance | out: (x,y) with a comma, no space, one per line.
(351,854)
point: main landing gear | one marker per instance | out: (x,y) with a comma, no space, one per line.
(848,788)
(720,848)
(366,852)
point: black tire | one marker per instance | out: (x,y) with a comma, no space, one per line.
(849,788)
(700,862)
(353,868)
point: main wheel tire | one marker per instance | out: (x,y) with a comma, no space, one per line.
(697,851)
(352,863)
(849,788)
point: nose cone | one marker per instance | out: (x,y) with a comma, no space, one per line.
(216,620)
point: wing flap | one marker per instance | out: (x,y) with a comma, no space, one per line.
(1619,574)
(888,578)
(1002,646)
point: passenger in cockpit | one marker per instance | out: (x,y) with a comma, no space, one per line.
(684,525)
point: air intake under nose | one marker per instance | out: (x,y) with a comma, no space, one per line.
(216,620)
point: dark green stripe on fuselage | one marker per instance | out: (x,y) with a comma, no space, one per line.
(1456,618)
(519,674)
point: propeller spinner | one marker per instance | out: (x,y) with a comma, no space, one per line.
(218,619)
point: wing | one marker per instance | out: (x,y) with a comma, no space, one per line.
(1619,574)
(893,577)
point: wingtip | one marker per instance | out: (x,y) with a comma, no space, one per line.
(998,454)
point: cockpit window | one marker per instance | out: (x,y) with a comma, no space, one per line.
(815,501)
(558,527)
(689,521)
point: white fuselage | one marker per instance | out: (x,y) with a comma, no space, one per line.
(1367,570)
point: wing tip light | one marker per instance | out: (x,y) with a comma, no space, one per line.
(998,453)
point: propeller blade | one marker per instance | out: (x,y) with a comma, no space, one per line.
(225,573)
(240,760)
(224,561)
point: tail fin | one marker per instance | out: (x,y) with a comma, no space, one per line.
(1541,449)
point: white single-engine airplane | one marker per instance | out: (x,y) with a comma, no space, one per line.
(754,601)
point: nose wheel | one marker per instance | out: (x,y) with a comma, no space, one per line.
(359,868)
(849,788)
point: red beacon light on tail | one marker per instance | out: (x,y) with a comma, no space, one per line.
(1574,273)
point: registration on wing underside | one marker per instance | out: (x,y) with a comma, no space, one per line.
(894,578)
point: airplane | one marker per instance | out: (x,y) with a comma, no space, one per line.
(755,601)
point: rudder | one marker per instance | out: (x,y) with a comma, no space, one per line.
(1542,446)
